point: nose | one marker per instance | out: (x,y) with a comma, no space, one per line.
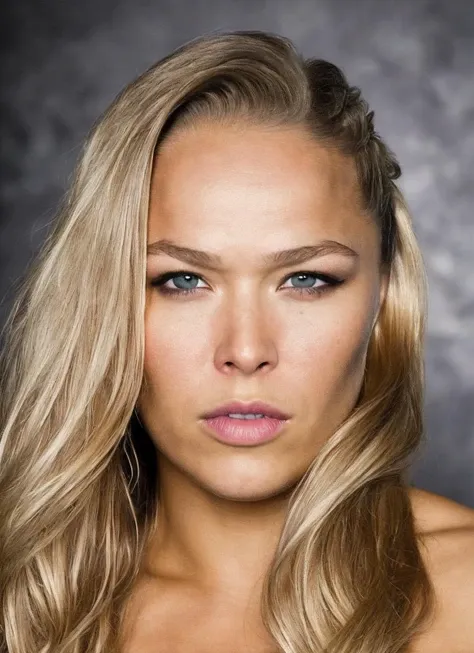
(246,338)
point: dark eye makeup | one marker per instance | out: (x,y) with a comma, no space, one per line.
(159,281)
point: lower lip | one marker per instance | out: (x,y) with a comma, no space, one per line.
(232,430)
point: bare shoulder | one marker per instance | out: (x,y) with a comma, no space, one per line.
(446,530)
(435,513)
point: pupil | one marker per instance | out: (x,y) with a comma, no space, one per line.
(187,277)
(306,277)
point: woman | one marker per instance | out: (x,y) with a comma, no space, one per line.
(212,383)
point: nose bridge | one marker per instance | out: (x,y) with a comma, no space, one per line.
(244,329)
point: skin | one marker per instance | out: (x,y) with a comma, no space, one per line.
(242,192)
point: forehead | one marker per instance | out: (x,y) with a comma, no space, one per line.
(265,179)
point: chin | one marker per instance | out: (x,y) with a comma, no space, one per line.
(250,490)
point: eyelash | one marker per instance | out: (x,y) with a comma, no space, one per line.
(159,281)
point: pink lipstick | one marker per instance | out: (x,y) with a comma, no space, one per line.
(246,424)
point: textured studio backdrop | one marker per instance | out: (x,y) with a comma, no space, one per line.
(63,62)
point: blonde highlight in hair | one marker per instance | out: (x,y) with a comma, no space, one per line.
(78,485)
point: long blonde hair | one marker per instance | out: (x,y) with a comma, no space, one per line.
(78,486)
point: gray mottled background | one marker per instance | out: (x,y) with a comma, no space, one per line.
(63,62)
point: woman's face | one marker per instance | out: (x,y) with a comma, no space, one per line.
(248,332)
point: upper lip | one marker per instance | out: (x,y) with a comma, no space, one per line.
(257,407)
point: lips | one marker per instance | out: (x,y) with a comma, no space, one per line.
(256,407)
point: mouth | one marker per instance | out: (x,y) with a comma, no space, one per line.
(251,411)
(244,431)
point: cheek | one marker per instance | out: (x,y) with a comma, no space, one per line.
(329,352)
(173,349)
(324,347)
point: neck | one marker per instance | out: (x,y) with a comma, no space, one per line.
(217,544)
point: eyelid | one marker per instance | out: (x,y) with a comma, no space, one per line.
(305,267)
(166,276)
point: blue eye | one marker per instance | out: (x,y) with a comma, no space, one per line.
(188,287)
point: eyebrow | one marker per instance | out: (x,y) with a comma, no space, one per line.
(281,258)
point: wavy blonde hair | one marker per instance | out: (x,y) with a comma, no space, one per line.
(78,482)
